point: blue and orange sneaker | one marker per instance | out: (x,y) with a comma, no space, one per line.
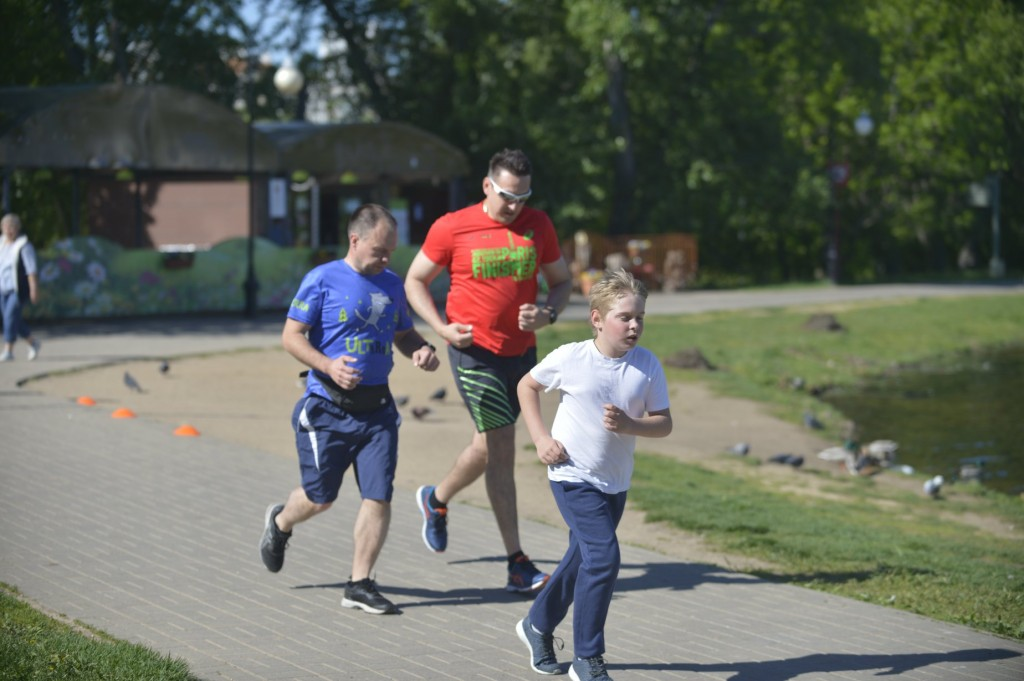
(524,577)
(435,521)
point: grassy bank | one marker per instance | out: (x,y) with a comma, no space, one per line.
(35,646)
(944,558)
(855,538)
(757,353)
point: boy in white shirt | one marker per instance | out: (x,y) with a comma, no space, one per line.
(612,391)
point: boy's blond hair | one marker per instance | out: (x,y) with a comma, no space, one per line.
(611,287)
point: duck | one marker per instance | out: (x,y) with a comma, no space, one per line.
(883,450)
(862,460)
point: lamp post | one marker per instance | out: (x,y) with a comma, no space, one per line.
(839,175)
(288,81)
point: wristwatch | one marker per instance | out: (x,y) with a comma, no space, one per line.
(552,314)
(428,344)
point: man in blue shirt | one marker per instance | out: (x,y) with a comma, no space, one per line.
(344,323)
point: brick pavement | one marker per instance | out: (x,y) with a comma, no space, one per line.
(153,539)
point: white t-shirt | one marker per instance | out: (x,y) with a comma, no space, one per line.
(588,380)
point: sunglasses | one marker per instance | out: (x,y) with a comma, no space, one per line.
(509,197)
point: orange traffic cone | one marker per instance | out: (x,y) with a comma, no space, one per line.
(186,431)
(123,413)
(87,401)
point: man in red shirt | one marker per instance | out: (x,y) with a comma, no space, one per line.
(493,252)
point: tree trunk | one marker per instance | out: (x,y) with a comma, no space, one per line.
(624,159)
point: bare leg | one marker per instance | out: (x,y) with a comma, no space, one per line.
(469,466)
(297,509)
(501,485)
(493,453)
(371,529)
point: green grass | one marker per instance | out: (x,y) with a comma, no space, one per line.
(863,541)
(35,646)
(757,352)
(900,553)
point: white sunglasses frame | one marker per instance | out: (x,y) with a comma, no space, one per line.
(509,197)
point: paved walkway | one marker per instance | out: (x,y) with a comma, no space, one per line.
(153,539)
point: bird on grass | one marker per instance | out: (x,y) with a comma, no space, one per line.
(862,460)
(420,412)
(883,450)
(438,395)
(933,486)
(132,384)
(843,455)
(740,449)
(165,366)
(812,422)
(789,459)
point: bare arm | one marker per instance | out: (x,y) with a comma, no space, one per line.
(421,272)
(559,279)
(411,344)
(296,343)
(654,424)
(549,450)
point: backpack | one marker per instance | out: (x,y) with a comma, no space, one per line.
(22,275)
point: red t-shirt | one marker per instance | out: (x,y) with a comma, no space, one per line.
(493,269)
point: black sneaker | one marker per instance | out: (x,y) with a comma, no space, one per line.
(589,669)
(274,541)
(364,595)
(542,648)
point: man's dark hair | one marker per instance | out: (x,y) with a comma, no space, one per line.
(511,160)
(367,216)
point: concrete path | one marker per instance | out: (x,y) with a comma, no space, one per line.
(153,539)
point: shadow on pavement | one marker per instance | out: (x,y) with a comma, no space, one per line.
(781,670)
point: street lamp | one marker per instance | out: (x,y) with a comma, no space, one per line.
(864,125)
(288,81)
(839,175)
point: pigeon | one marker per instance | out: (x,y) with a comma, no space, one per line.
(789,459)
(132,384)
(933,486)
(796,383)
(402,400)
(740,448)
(438,394)
(165,366)
(420,412)
(812,422)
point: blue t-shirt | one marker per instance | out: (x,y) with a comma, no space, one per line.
(352,314)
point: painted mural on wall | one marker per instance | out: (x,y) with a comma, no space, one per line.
(91,277)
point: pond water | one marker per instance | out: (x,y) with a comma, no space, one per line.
(960,417)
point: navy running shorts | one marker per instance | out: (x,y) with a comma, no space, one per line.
(329,440)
